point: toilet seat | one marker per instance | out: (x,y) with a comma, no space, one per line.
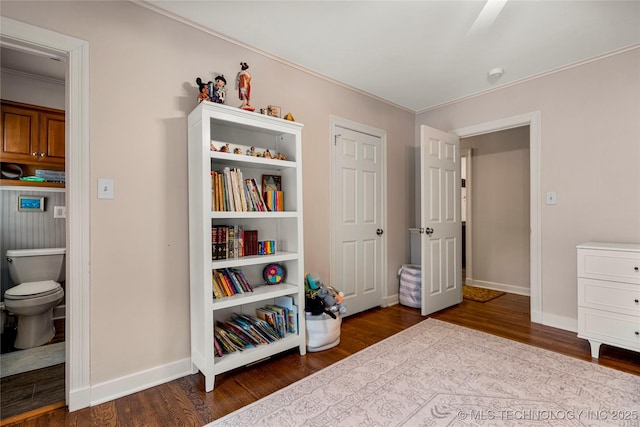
(32,290)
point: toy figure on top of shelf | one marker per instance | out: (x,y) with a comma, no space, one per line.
(243,82)
(205,91)
(218,91)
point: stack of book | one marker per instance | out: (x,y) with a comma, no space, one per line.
(274,200)
(242,331)
(232,241)
(229,281)
(282,315)
(230,191)
(266,247)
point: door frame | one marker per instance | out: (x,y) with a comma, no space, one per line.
(334,122)
(468,237)
(532,120)
(27,37)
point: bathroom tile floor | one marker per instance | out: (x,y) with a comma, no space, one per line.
(34,389)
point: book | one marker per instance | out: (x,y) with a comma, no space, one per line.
(288,302)
(281,318)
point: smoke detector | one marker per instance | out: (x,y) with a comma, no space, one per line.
(496,73)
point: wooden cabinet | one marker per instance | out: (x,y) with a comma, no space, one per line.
(609,295)
(219,125)
(32,135)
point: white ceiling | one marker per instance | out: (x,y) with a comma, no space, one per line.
(420,54)
(414,54)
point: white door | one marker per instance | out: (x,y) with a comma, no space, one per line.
(357,218)
(440,222)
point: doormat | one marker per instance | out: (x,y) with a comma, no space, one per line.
(479,294)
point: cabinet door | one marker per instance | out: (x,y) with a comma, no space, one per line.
(19,134)
(52,138)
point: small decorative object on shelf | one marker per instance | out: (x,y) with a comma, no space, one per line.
(274,274)
(205,94)
(244,87)
(218,91)
(289,117)
(273,111)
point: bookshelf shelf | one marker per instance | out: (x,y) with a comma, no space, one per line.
(254,260)
(238,359)
(257,215)
(218,125)
(259,293)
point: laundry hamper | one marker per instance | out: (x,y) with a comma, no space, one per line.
(410,293)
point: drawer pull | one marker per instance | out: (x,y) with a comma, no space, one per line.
(636,268)
(636,301)
(637,333)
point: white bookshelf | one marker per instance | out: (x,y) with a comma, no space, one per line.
(218,124)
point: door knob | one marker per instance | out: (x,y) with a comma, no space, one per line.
(379,231)
(429,231)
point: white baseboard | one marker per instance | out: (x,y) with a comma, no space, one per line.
(391,300)
(138,381)
(559,322)
(512,289)
(79,398)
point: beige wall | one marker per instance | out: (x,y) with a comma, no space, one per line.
(589,155)
(143,68)
(500,210)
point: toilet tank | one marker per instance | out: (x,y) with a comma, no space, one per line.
(34,265)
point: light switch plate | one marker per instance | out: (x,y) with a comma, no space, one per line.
(59,211)
(105,188)
(551,198)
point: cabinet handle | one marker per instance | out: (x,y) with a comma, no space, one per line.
(637,333)
(636,268)
(42,154)
(636,301)
(34,154)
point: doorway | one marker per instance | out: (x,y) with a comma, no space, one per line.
(499,221)
(77,313)
(533,121)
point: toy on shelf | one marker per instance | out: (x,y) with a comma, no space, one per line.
(205,94)
(244,87)
(218,91)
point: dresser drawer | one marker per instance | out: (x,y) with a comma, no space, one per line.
(610,328)
(617,266)
(623,298)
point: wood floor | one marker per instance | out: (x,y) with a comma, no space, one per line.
(183,402)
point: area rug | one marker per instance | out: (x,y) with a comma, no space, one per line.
(440,374)
(479,294)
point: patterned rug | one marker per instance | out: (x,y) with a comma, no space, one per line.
(440,374)
(479,294)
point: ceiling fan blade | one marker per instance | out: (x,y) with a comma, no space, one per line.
(487,17)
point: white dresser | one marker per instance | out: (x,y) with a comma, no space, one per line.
(609,295)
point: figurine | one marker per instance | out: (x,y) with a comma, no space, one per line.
(267,154)
(280,156)
(205,94)
(218,91)
(289,117)
(244,87)
(224,149)
(237,151)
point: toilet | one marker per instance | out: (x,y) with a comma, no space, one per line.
(37,274)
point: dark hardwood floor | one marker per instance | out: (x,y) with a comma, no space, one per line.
(184,403)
